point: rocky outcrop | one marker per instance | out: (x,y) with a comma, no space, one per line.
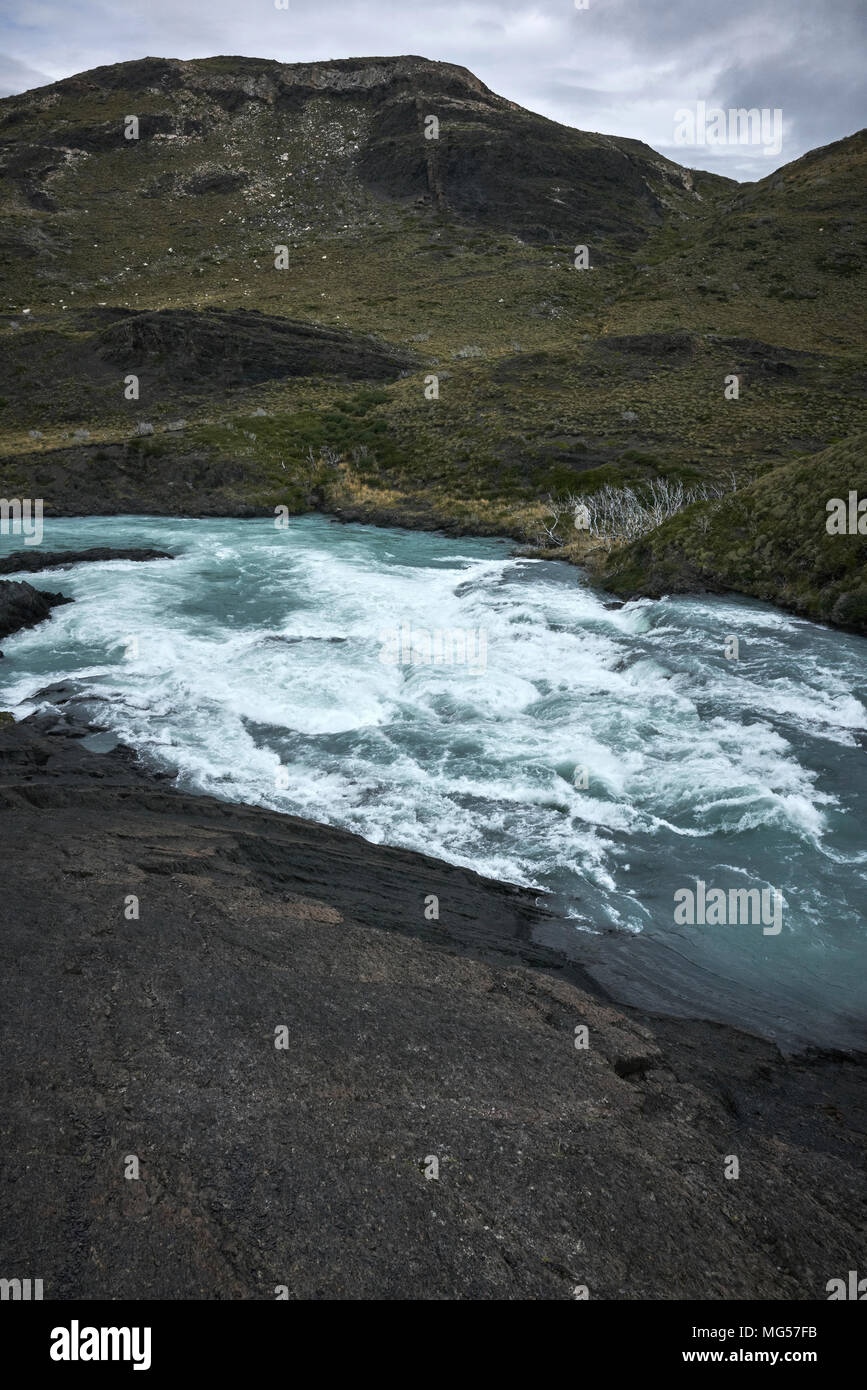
(34,560)
(130,478)
(615,190)
(23,606)
(328,1088)
(241,347)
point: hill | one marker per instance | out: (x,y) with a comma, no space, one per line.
(402,259)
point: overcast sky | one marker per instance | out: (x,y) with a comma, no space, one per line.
(624,67)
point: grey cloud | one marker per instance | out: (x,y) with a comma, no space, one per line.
(16,76)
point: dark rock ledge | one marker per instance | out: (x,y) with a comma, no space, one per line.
(31,561)
(23,606)
(407,1038)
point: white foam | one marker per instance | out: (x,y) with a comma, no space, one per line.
(687,755)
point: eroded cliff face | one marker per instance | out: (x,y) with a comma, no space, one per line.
(159,946)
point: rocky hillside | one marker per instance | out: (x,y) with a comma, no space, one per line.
(322,307)
(319,148)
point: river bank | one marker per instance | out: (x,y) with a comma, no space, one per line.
(739,543)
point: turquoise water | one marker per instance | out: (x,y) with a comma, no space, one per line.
(268,666)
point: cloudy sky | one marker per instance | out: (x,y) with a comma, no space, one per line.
(625,67)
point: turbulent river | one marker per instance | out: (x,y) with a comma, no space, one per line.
(622,760)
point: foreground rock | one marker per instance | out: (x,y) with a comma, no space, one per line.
(35,560)
(23,606)
(406,1040)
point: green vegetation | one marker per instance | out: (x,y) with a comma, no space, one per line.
(770,540)
(455,256)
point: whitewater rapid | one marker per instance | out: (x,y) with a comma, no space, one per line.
(265,665)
